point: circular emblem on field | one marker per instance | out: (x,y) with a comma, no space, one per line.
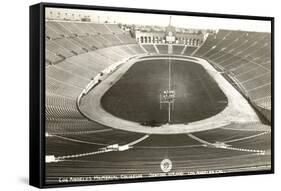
(166,165)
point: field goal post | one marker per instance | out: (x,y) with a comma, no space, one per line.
(167,97)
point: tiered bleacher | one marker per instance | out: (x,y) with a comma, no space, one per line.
(163,49)
(186,153)
(75,53)
(66,39)
(188,50)
(149,48)
(177,49)
(246,59)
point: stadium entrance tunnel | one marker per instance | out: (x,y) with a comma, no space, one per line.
(136,95)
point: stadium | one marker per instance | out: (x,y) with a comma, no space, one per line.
(124,102)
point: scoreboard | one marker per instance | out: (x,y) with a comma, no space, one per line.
(170,38)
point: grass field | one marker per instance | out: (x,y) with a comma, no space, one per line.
(135,96)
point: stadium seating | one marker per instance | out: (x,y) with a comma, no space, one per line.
(188,50)
(67,39)
(149,48)
(226,135)
(76,52)
(163,49)
(52,57)
(61,107)
(177,49)
(124,38)
(245,56)
(262,142)
(145,160)
(80,50)
(136,48)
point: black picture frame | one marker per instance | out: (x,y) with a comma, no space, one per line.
(37,93)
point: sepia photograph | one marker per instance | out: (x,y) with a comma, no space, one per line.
(142,95)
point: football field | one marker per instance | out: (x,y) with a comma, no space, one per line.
(135,97)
